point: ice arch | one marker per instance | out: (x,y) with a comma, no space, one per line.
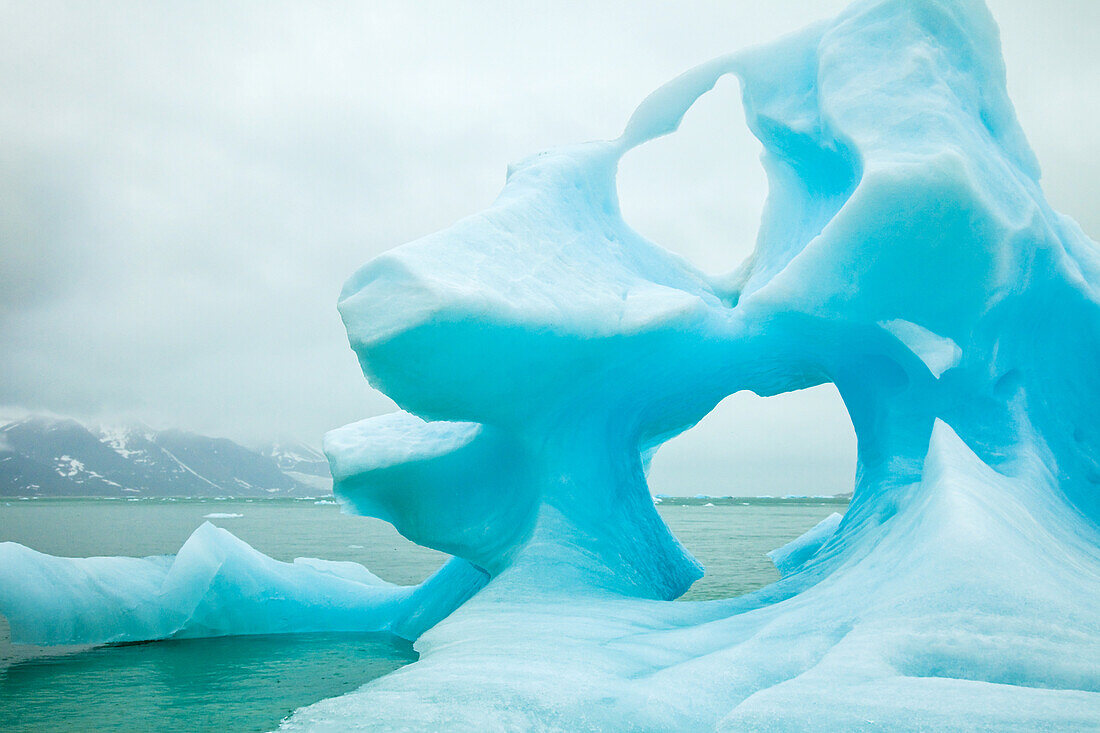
(547,334)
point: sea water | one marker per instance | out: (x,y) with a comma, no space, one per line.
(251,683)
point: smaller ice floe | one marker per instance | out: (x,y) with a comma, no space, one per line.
(708,504)
(355,547)
(222,515)
(217,585)
(325,501)
(793,555)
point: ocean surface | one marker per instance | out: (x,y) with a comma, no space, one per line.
(252,683)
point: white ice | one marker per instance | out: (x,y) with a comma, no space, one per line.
(800,550)
(216,585)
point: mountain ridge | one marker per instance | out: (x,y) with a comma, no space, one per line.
(60,456)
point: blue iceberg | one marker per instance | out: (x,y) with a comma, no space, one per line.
(216,585)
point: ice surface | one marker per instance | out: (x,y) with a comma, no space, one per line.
(542,350)
(215,586)
(798,551)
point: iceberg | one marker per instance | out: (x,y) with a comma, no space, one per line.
(907,255)
(542,350)
(216,585)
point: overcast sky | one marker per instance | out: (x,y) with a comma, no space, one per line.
(185,186)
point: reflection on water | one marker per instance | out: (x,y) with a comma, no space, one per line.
(243,683)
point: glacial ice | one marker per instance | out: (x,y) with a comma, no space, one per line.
(215,586)
(907,255)
(542,350)
(800,550)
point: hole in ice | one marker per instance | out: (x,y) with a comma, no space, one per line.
(798,444)
(699,191)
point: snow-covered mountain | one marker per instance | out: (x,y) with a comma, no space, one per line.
(301,462)
(46,456)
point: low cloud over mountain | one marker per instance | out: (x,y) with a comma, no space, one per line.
(46,456)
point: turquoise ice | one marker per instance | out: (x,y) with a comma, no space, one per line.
(216,585)
(907,255)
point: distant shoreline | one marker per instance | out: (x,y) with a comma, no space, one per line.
(659,500)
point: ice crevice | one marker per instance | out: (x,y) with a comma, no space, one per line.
(542,349)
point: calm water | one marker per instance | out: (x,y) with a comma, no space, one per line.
(251,683)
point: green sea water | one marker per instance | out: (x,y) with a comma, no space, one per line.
(251,683)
